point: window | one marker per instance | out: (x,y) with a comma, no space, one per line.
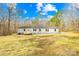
(24,30)
(39,29)
(34,29)
(47,29)
(55,29)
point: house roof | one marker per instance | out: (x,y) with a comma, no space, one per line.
(37,27)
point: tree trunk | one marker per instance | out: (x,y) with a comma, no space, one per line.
(9,22)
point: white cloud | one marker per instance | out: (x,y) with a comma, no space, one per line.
(45,8)
(43,13)
(39,5)
(50,7)
(25,11)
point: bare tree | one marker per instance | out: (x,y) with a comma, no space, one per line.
(10,8)
(2,20)
(71,16)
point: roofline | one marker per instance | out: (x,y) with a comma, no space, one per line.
(38,27)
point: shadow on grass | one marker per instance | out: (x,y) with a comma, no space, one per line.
(76,37)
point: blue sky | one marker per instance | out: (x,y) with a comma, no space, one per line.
(31,10)
(41,10)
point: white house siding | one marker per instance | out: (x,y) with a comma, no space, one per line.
(37,30)
(34,31)
(20,31)
(57,30)
(51,30)
(43,30)
(30,29)
(54,30)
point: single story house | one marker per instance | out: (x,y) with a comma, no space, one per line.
(37,30)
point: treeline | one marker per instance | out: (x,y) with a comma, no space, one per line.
(8,19)
(65,20)
(71,18)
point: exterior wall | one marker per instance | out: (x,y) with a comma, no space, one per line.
(53,30)
(20,31)
(43,30)
(37,30)
(29,29)
(57,30)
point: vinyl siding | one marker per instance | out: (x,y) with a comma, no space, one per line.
(43,30)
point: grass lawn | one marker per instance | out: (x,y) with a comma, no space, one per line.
(64,44)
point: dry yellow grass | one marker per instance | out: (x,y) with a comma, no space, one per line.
(65,43)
